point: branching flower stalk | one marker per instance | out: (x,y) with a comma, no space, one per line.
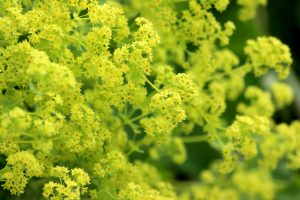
(95,94)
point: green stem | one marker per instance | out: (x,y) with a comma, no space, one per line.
(212,132)
(129,123)
(111,195)
(151,84)
(194,139)
(131,113)
(139,117)
(136,148)
(83,16)
(218,139)
(126,109)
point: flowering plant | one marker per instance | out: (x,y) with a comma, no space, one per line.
(94,94)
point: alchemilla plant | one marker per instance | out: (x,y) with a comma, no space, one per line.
(95,93)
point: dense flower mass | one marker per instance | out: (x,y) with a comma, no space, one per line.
(95,93)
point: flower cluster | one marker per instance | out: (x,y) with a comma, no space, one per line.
(97,96)
(275,55)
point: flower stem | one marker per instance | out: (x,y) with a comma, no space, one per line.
(151,84)
(194,139)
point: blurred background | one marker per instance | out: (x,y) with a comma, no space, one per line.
(281,18)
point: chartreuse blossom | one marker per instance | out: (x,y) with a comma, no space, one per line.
(282,94)
(168,111)
(244,183)
(260,103)
(275,55)
(94,94)
(20,167)
(243,137)
(220,5)
(248,8)
(71,186)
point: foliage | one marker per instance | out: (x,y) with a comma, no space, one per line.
(95,94)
